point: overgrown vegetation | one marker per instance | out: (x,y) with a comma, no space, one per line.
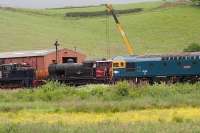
(101,98)
(107,127)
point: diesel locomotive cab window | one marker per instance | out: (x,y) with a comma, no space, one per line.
(122,64)
(116,65)
(130,66)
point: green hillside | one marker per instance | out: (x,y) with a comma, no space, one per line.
(155,30)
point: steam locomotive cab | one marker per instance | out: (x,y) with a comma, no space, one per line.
(16,75)
(104,71)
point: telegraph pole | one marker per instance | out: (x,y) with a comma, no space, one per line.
(56,44)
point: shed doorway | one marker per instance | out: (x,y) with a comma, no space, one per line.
(69,59)
(2,61)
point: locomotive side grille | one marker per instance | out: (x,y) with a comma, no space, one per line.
(130,66)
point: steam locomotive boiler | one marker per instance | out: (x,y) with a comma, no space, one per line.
(73,73)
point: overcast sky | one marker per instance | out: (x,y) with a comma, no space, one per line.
(59,3)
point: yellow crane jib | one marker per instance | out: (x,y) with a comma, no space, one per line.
(121,30)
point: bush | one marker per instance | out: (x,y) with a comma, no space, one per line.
(122,88)
(101,13)
(193,47)
(196,2)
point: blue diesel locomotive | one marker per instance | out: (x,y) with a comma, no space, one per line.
(156,68)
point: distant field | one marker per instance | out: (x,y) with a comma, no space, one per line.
(155,30)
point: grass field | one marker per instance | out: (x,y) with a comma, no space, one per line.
(107,127)
(155,30)
(97,98)
(101,108)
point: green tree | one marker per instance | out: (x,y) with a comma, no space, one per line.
(193,47)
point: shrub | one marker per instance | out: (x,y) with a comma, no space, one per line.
(122,88)
(196,2)
(101,13)
(193,47)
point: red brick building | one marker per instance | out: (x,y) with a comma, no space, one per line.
(41,59)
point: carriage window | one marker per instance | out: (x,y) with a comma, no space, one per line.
(175,58)
(164,58)
(192,57)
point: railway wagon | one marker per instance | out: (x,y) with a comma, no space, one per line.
(170,68)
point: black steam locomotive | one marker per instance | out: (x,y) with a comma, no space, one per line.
(73,73)
(16,75)
(78,74)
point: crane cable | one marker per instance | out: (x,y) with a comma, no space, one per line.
(108,34)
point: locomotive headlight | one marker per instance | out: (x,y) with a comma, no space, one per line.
(116,72)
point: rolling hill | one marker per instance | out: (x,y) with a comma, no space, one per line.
(156,29)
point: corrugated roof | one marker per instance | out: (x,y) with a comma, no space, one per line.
(31,53)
